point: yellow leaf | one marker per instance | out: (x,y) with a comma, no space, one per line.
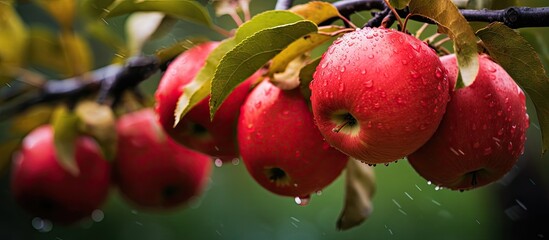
(315,11)
(359,189)
(450,21)
(62,11)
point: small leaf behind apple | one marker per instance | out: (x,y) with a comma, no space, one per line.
(65,126)
(399,4)
(450,21)
(98,121)
(522,63)
(315,11)
(359,189)
(249,55)
(200,86)
(306,76)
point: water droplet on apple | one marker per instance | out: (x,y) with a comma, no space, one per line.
(404,62)
(383,94)
(510,146)
(302,201)
(414,74)
(250,126)
(369,36)
(319,192)
(513,129)
(487,151)
(499,113)
(342,69)
(376,105)
(476,145)
(371,56)
(379,125)
(491,69)
(368,83)
(492,77)
(438,73)
(428,182)
(363,71)
(500,132)
(399,100)
(487,96)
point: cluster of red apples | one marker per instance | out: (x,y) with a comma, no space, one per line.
(378,95)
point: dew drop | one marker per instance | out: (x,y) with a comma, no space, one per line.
(404,62)
(476,145)
(250,126)
(379,125)
(487,151)
(342,69)
(371,56)
(487,96)
(369,36)
(438,73)
(383,94)
(368,83)
(302,201)
(428,182)
(491,69)
(414,74)
(500,113)
(510,146)
(376,106)
(363,71)
(500,132)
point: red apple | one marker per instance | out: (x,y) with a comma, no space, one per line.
(195,130)
(482,133)
(151,169)
(44,188)
(378,94)
(280,145)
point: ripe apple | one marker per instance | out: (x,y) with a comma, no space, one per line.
(482,133)
(195,130)
(151,169)
(280,145)
(378,94)
(44,188)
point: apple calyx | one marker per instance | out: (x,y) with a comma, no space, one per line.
(278,176)
(343,120)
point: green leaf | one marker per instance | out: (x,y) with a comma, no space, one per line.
(98,121)
(315,11)
(289,79)
(13,40)
(306,76)
(172,51)
(399,4)
(451,22)
(249,55)
(522,63)
(265,20)
(360,187)
(299,47)
(100,31)
(94,9)
(65,126)
(200,86)
(140,27)
(183,9)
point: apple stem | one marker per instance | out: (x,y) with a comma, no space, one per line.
(474,179)
(348,119)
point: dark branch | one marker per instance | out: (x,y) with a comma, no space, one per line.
(110,81)
(513,17)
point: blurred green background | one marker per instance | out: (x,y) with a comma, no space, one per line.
(234,206)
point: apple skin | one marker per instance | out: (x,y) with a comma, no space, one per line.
(482,133)
(388,86)
(45,189)
(216,138)
(278,139)
(152,171)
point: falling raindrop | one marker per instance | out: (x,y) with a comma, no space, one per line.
(302,201)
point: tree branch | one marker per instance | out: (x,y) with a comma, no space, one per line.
(513,17)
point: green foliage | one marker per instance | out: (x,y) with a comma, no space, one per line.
(521,61)
(399,4)
(199,88)
(306,76)
(450,21)
(249,55)
(182,9)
